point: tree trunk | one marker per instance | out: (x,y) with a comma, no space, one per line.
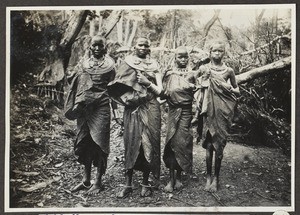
(54,71)
(276,66)
(92,28)
(100,21)
(120,31)
(162,43)
(133,31)
(75,24)
(112,23)
(127,26)
(172,30)
(207,27)
(63,51)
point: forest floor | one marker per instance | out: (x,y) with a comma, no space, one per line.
(43,168)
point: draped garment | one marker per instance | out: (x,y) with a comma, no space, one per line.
(178,149)
(217,106)
(88,103)
(142,116)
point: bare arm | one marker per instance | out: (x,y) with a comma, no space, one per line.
(235,87)
(156,89)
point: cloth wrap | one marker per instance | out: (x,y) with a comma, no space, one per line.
(217,104)
(142,117)
(88,102)
(178,149)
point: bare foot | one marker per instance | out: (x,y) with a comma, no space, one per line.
(208,183)
(146,191)
(214,186)
(178,184)
(95,189)
(169,188)
(81,186)
(124,193)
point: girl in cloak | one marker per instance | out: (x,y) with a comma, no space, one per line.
(216,101)
(179,86)
(137,86)
(89,104)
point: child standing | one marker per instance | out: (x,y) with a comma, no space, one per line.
(179,90)
(217,101)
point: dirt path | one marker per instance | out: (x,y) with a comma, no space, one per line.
(250,176)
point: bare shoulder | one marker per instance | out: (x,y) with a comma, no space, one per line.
(230,71)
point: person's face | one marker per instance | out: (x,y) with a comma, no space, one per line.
(182,59)
(142,48)
(97,48)
(217,52)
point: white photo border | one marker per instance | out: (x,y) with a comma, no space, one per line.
(102,210)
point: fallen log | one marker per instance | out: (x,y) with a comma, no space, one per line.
(276,66)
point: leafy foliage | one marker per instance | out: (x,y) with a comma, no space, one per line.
(31,41)
(35,33)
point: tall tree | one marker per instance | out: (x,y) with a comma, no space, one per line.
(207,27)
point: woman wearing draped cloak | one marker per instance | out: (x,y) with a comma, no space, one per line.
(179,85)
(88,103)
(137,85)
(216,100)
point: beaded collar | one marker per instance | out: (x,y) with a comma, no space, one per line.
(221,68)
(147,65)
(95,66)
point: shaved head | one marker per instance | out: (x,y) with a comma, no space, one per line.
(182,51)
(142,40)
(181,57)
(217,44)
(98,40)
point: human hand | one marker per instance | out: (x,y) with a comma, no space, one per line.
(142,79)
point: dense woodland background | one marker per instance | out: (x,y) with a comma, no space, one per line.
(46,45)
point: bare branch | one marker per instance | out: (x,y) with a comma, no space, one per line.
(208,25)
(110,26)
(266,45)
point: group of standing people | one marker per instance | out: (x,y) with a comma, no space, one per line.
(139,84)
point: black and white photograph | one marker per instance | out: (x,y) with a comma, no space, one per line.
(144,109)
